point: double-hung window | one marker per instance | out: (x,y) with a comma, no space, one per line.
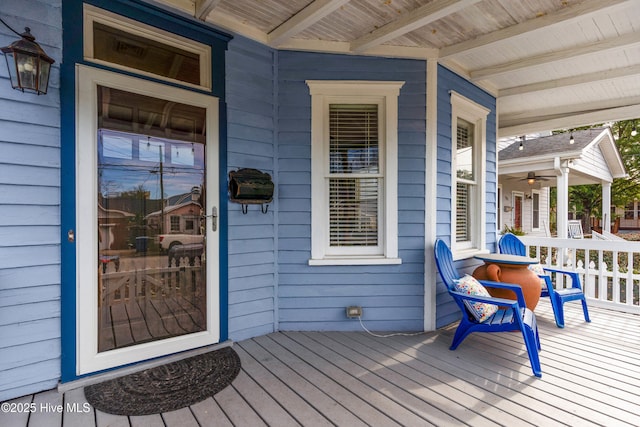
(354,169)
(468,174)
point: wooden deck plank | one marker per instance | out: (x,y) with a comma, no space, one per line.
(147,421)
(261,402)
(209,414)
(442,365)
(281,366)
(78,412)
(16,411)
(237,409)
(181,417)
(482,403)
(426,401)
(295,405)
(480,351)
(109,420)
(49,409)
(345,388)
(351,378)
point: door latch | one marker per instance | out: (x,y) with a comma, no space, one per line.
(214,218)
(71,236)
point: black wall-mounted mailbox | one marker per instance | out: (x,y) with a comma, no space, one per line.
(250,186)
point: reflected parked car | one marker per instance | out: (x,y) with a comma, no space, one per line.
(190,251)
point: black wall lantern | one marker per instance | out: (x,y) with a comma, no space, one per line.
(28,64)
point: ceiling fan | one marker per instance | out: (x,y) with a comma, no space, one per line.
(532,178)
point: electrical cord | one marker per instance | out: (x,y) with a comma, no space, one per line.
(396,334)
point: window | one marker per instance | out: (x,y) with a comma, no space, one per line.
(535,206)
(354,170)
(129,45)
(175,223)
(468,174)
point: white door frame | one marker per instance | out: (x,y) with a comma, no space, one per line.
(87,357)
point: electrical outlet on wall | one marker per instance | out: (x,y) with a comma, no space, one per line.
(354,311)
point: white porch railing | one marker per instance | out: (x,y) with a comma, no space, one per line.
(609,269)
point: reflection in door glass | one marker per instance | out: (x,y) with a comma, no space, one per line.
(151,193)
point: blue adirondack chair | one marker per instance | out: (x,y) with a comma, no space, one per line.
(510,244)
(512,315)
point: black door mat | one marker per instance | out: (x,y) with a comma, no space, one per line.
(168,387)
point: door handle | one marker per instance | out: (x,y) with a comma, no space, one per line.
(214,218)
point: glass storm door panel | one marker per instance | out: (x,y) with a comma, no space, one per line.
(150,152)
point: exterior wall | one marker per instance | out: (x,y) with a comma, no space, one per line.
(447,311)
(271,285)
(508,187)
(315,297)
(593,163)
(252,237)
(30,212)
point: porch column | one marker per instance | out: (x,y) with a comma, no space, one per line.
(606,206)
(562,215)
(431,194)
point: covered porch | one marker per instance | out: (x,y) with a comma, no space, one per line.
(590,377)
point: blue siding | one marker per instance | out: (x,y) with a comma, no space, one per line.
(250,83)
(30,212)
(314,298)
(446,310)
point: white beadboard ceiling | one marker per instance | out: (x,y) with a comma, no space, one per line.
(551,63)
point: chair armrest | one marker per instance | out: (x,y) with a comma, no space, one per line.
(517,289)
(575,279)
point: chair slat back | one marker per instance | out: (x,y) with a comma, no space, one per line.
(510,244)
(444,262)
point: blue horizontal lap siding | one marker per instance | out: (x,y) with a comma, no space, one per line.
(314,298)
(447,311)
(250,144)
(30,213)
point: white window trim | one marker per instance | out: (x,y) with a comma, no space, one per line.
(475,113)
(94,14)
(323,93)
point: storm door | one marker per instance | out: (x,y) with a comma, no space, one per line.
(147,244)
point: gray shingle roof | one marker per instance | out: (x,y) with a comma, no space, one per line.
(554,144)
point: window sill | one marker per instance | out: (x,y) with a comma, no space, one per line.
(468,253)
(355,261)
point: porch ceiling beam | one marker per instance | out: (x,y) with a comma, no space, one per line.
(302,20)
(204,7)
(533,124)
(345,48)
(598,76)
(615,43)
(560,16)
(411,21)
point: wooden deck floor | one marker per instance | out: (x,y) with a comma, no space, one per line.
(591,376)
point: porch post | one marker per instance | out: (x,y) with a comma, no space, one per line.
(562,215)
(430,208)
(606,206)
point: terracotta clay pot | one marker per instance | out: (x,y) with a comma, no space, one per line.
(510,273)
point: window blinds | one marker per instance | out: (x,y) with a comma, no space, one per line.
(354,179)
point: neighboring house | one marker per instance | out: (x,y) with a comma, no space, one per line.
(373,157)
(528,168)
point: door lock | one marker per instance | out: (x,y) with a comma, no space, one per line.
(214,218)
(71,236)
